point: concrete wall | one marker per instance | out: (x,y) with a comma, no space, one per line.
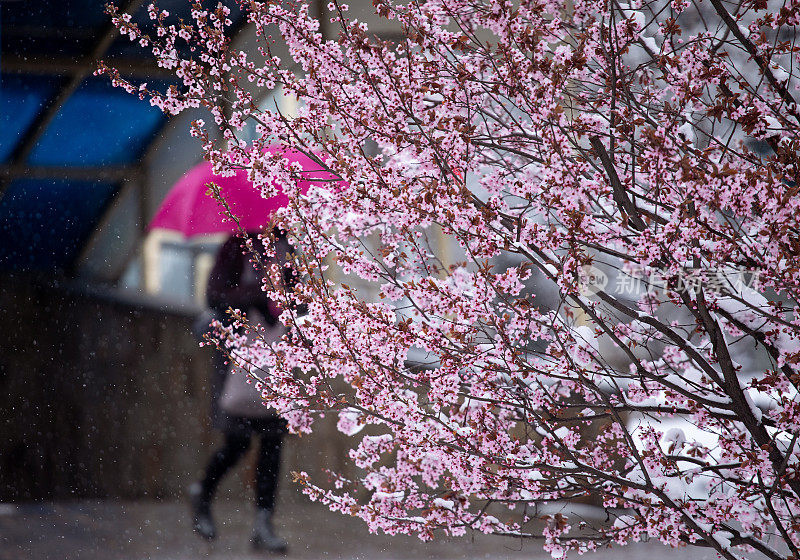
(107,397)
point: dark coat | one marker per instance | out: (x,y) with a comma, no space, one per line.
(234,282)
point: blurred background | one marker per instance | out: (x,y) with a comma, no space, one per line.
(104,388)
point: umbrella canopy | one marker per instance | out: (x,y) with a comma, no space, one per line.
(191,211)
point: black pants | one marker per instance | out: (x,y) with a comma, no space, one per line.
(235,446)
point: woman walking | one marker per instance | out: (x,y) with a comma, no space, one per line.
(236,282)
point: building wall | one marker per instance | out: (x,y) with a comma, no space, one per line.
(108,397)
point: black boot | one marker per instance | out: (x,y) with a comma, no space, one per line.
(202,522)
(264,537)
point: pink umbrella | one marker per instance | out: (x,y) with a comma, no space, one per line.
(189,210)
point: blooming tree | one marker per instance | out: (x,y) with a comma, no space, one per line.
(638,157)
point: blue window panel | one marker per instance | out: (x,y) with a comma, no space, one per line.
(98,125)
(44,223)
(21,99)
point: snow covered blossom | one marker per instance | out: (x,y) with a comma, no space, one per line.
(468,171)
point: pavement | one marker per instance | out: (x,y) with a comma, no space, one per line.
(161,530)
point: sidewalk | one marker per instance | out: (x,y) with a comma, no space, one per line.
(162,531)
